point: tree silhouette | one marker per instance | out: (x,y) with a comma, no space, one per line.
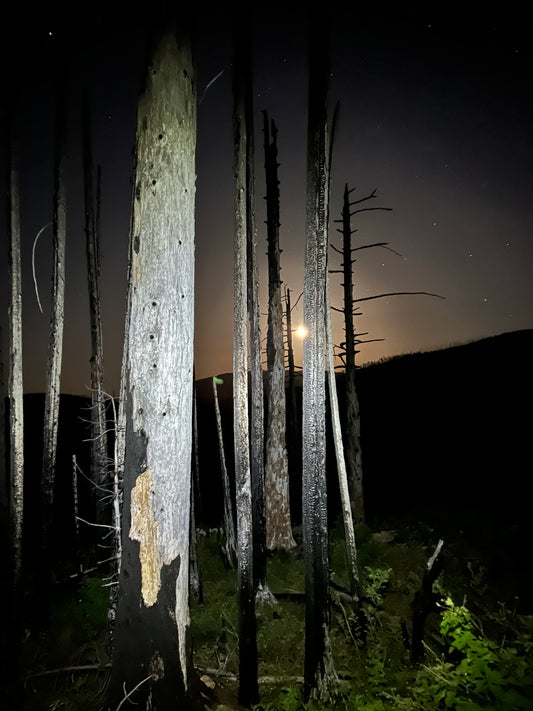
(348,349)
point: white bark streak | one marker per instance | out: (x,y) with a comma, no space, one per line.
(15,384)
(349,532)
(55,342)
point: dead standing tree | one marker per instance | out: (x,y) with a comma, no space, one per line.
(230,549)
(248,686)
(92,244)
(349,350)
(55,342)
(277,507)
(152,650)
(257,434)
(15,383)
(294,434)
(319,674)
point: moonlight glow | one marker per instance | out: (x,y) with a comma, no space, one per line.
(301,331)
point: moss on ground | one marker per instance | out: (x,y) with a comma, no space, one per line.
(369,642)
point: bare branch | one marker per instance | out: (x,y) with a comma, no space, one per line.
(399,293)
(209,84)
(129,693)
(48,224)
(368,197)
(96,525)
(368,209)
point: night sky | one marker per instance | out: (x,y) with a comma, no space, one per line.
(435,113)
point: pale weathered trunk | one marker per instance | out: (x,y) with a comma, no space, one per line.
(318,667)
(277,506)
(55,342)
(15,383)
(248,685)
(98,414)
(349,533)
(4,498)
(294,433)
(152,650)
(230,549)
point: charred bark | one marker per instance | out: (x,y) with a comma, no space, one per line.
(257,445)
(425,601)
(248,686)
(353,422)
(15,382)
(92,240)
(230,549)
(277,506)
(318,668)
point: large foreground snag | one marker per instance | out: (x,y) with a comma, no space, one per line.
(319,676)
(152,653)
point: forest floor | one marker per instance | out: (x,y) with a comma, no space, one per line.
(478,636)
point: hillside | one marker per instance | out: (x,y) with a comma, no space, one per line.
(442,428)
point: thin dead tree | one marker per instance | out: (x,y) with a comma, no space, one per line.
(277,506)
(294,434)
(319,674)
(230,548)
(92,248)
(152,652)
(15,382)
(55,342)
(348,353)
(349,531)
(4,497)
(194,570)
(248,685)
(348,349)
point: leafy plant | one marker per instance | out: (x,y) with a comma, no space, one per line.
(476,673)
(375,581)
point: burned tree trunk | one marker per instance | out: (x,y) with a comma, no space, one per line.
(277,507)
(257,445)
(230,550)
(248,686)
(353,422)
(92,240)
(152,650)
(318,669)
(15,383)
(55,342)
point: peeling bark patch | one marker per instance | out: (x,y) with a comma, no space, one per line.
(144,529)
